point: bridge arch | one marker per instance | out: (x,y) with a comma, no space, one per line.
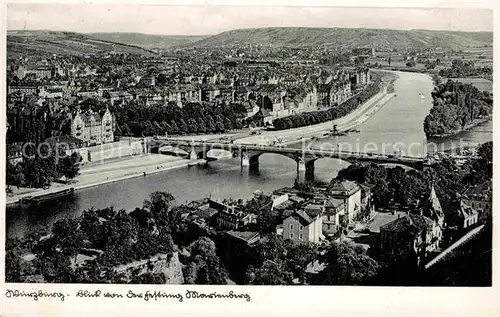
(254,157)
(328,167)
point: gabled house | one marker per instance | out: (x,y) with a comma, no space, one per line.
(302,227)
(93,128)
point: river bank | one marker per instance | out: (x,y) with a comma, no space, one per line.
(118,170)
(467,127)
(348,122)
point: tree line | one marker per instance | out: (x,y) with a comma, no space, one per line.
(455,107)
(192,118)
(460,68)
(42,165)
(397,185)
(337,111)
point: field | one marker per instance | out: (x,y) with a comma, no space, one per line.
(149,41)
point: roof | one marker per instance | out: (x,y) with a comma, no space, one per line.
(343,187)
(482,191)
(465,211)
(246,236)
(264,112)
(431,205)
(408,223)
(315,267)
(334,202)
(313,210)
(206,213)
(304,218)
(249,104)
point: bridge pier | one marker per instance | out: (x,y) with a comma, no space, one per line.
(193,155)
(245,160)
(305,170)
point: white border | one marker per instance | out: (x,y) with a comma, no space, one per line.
(300,301)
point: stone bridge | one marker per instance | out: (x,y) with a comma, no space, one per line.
(305,158)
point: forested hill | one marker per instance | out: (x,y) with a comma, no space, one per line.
(336,37)
(456,106)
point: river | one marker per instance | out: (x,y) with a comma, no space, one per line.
(400,122)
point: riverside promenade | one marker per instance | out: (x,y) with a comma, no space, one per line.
(353,119)
(96,174)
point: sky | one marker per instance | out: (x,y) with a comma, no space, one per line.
(207,20)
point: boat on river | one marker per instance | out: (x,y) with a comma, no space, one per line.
(41,198)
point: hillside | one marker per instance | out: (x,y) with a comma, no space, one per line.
(64,43)
(148,41)
(377,38)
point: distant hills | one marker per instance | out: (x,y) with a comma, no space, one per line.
(149,41)
(77,43)
(64,43)
(334,37)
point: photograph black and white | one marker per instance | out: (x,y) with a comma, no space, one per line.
(248,145)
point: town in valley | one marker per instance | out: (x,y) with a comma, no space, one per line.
(258,156)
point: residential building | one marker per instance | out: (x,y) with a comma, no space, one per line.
(209,93)
(116,97)
(480,198)
(301,227)
(42,72)
(367,197)
(350,193)
(333,209)
(251,107)
(92,128)
(50,93)
(409,236)
(466,216)
(26,88)
(262,117)
(233,219)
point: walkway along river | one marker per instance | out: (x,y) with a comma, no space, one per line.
(400,120)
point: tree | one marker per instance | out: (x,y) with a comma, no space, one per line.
(125,130)
(55,268)
(485,152)
(204,266)
(346,264)
(299,255)
(271,273)
(174,128)
(410,64)
(228,125)
(69,166)
(68,236)
(192,125)
(149,278)
(12,267)
(14,174)
(158,202)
